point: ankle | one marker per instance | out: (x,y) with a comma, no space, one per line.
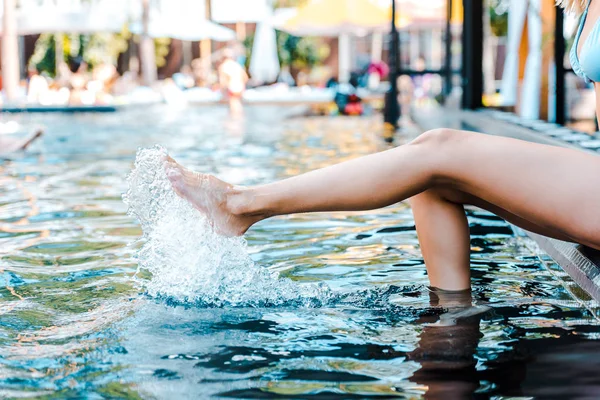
(241,201)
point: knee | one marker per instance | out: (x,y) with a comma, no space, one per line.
(435,195)
(438,137)
(424,198)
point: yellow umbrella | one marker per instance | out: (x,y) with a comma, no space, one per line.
(420,12)
(336,17)
(457,12)
(402,21)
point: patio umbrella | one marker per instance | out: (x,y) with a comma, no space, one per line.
(85,20)
(337,17)
(184,28)
(411,12)
(421,12)
(264,64)
(341,18)
(281,16)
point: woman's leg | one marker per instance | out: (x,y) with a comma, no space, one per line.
(443,232)
(549,187)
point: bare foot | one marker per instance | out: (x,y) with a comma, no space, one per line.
(218,200)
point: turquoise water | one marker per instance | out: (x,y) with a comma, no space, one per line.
(75,323)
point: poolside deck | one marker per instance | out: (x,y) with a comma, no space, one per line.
(581,263)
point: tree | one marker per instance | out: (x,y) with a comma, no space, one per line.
(94,49)
(499,17)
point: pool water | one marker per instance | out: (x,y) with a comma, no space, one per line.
(75,323)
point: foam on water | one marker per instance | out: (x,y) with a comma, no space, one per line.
(188,261)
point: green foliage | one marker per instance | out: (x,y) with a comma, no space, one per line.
(44,54)
(300,52)
(248,42)
(105,47)
(499,17)
(161,48)
(95,49)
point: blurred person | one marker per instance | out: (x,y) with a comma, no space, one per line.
(104,76)
(105,73)
(232,80)
(10,145)
(59,91)
(406,92)
(203,72)
(171,93)
(332,83)
(420,82)
(239,53)
(198,72)
(376,71)
(184,79)
(346,98)
(543,189)
(125,84)
(77,81)
(37,87)
(285,76)
(63,75)
(302,79)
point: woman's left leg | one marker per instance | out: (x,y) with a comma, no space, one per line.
(543,186)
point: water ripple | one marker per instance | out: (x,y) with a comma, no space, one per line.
(73,323)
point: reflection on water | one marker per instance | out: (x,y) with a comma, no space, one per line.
(74,325)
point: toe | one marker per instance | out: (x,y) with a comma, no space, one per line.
(178,186)
(167,158)
(173,174)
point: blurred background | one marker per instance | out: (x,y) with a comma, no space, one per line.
(333,56)
(255,91)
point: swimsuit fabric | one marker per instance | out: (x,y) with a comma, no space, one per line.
(587,63)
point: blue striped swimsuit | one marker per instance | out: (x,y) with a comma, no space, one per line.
(587,63)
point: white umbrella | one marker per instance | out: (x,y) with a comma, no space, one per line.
(532,81)
(84,20)
(264,64)
(184,28)
(281,16)
(510,76)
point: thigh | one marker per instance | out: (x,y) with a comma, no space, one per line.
(554,188)
(458,197)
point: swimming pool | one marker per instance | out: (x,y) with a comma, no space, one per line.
(74,324)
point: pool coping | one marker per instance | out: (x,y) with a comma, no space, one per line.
(581,263)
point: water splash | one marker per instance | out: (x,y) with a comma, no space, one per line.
(191,263)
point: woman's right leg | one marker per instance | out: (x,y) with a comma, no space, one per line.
(547,187)
(443,232)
